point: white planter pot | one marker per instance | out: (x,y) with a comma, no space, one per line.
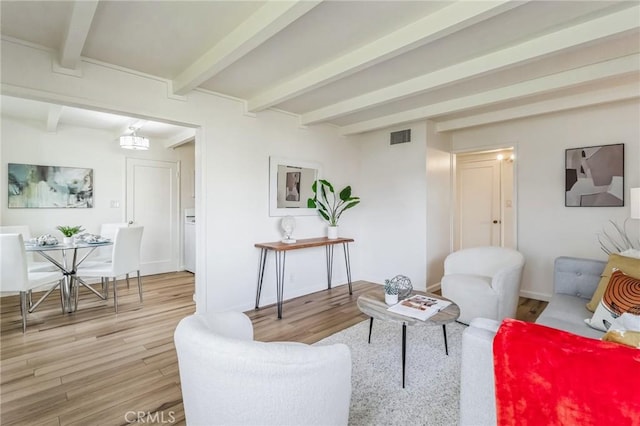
(332,232)
(67,240)
(390,299)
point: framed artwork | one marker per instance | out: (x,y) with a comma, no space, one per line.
(34,186)
(290,186)
(594,176)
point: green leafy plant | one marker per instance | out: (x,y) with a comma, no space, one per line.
(390,287)
(70,231)
(330,206)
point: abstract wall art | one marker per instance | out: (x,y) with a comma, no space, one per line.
(594,176)
(34,186)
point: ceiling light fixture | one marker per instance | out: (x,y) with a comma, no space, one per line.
(134,141)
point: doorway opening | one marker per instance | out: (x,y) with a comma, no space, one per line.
(485,199)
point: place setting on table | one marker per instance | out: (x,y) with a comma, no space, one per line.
(74,239)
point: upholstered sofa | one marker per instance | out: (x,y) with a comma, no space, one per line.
(575,281)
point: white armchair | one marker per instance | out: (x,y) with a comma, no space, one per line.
(484,282)
(228,378)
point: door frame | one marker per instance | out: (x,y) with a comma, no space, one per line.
(454,187)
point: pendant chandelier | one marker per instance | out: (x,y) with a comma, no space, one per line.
(134,141)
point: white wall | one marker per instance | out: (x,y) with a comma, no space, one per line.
(232,159)
(394,203)
(439,203)
(27,142)
(237,206)
(546,228)
(186,154)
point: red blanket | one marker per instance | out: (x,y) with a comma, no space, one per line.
(546,376)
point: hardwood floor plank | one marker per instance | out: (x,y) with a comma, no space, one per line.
(94,366)
(27,387)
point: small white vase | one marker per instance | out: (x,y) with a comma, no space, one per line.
(332,232)
(67,240)
(390,299)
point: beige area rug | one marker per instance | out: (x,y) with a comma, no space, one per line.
(432,383)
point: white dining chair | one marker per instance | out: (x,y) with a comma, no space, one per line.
(103,254)
(32,264)
(107,230)
(15,277)
(125,258)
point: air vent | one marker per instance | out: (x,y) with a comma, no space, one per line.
(401,136)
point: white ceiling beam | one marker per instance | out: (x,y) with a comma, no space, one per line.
(591,73)
(608,95)
(267,21)
(562,40)
(443,22)
(53,117)
(77,31)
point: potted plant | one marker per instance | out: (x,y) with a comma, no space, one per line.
(391,291)
(331,206)
(69,232)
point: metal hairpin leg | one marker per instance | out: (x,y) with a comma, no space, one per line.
(280,257)
(347,263)
(329,252)
(370,327)
(261,264)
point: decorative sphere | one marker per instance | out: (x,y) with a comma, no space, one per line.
(403,284)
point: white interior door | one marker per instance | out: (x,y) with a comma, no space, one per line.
(153,202)
(479,216)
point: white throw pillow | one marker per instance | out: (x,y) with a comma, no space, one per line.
(630,253)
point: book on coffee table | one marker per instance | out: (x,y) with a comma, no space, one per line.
(419,306)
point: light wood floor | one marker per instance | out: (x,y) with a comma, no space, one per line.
(94,367)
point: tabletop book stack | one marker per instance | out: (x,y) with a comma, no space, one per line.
(419,306)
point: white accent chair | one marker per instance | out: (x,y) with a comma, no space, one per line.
(15,277)
(125,259)
(483,282)
(32,265)
(227,378)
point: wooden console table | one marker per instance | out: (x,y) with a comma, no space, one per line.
(280,250)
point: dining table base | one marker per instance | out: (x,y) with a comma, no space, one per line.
(70,282)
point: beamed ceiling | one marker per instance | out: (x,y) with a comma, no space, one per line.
(358,65)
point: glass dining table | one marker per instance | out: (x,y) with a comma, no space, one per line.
(68,265)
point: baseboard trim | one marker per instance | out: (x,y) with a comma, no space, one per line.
(433,288)
(545,297)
